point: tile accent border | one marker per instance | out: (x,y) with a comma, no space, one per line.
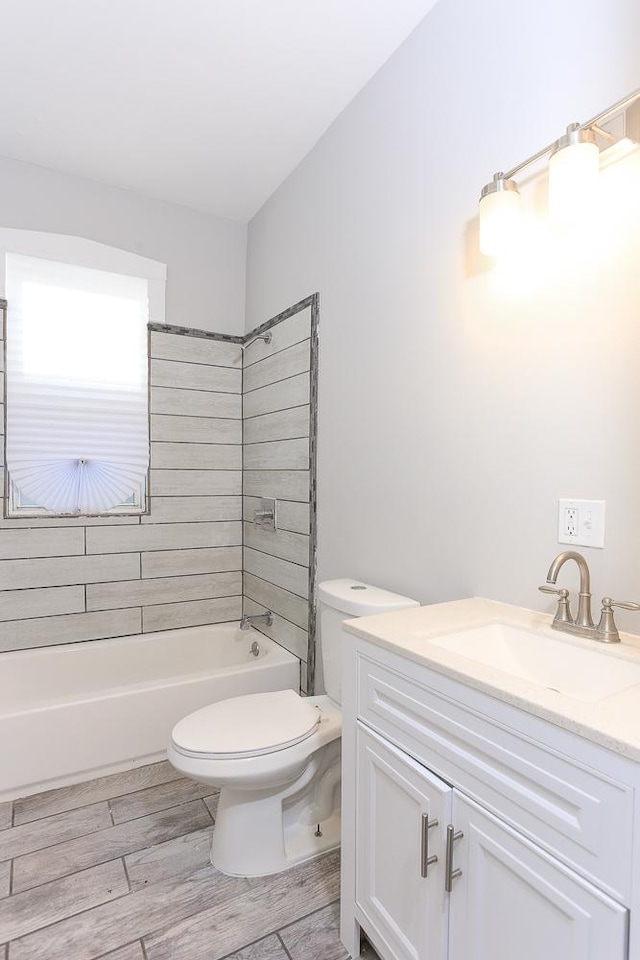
(192,332)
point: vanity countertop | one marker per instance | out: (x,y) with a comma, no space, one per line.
(612,721)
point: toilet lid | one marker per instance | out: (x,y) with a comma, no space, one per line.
(247,726)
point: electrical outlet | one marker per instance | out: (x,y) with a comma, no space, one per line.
(581,522)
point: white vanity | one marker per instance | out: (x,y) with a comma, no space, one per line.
(490,788)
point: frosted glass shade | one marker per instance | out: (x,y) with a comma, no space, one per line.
(573,182)
(499,221)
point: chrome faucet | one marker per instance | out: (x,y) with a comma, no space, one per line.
(251,620)
(583,624)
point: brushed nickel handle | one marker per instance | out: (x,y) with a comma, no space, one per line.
(563,613)
(450,874)
(425,859)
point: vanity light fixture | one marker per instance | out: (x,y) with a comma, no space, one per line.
(574,162)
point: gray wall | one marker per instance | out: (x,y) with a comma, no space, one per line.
(454,413)
(205,255)
(67,580)
(276,424)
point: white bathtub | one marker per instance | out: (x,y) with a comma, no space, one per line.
(72,712)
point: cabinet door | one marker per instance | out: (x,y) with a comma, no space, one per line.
(513,900)
(400,899)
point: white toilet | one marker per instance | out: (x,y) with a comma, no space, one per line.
(276,756)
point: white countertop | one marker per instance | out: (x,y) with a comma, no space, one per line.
(612,722)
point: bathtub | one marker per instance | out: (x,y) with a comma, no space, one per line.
(81,710)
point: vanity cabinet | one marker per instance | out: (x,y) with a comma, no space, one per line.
(472,831)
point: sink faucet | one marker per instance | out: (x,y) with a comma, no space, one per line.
(250,621)
(583,625)
(583,622)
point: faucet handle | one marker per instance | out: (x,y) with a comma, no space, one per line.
(606,629)
(563,613)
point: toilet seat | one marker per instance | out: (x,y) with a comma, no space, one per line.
(248,726)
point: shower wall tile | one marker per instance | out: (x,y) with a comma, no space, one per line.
(290,606)
(197,456)
(167,563)
(46,631)
(195,376)
(196,483)
(282,425)
(195,429)
(276,461)
(281,484)
(196,403)
(277,455)
(277,396)
(283,334)
(193,509)
(168,616)
(142,593)
(23,604)
(279,366)
(71,579)
(163,537)
(278,543)
(216,353)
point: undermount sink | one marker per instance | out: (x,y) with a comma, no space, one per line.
(581,673)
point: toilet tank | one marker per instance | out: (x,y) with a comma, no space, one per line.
(340,600)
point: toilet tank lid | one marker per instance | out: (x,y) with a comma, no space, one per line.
(361,599)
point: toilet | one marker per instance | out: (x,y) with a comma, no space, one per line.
(276,756)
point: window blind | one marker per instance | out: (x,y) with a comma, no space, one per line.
(77,385)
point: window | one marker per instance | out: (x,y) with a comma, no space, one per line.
(77,418)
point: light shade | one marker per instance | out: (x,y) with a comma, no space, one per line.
(574,168)
(499,214)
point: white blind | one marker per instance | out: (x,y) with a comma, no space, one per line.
(77,393)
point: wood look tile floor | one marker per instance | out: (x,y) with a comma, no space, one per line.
(118,868)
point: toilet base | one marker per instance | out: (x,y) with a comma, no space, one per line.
(261,832)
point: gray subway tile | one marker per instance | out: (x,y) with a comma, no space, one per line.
(279,366)
(168,616)
(195,429)
(278,396)
(173,563)
(197,483)
(196,403)
(292,516)
(195,376)
(281,484)
(278,543)
(164,536)
(76,627)
(170,346)
(290,576)
(283,335)
(6,814)
(281,601)
(5,879)
(21,574)
(15,544)
(277,455)
(47,602)
(181,509)
(196,456)
(142,593)
(281,425)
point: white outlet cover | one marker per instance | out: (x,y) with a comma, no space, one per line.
(590,522)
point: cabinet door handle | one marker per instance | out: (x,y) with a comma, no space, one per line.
(425,859)
(450,874)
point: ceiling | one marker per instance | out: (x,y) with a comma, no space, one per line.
(206,103)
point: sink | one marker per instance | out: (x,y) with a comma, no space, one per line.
(573,671)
